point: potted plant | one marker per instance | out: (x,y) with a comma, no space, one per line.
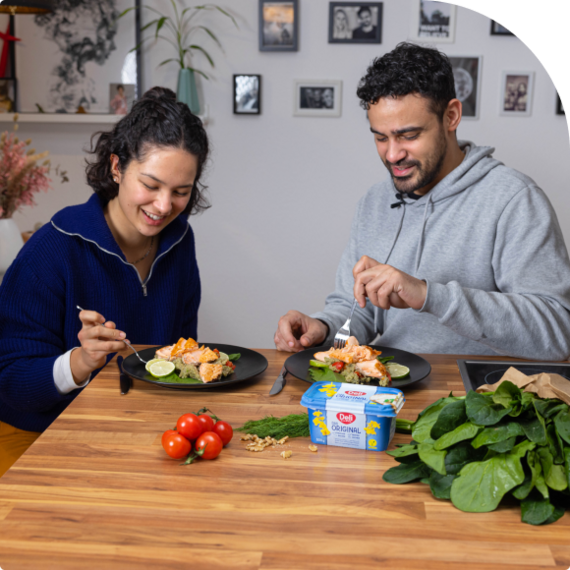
(180,32)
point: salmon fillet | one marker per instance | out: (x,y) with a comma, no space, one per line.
(210,372)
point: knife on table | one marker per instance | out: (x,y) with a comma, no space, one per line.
(124,380)
(279,383)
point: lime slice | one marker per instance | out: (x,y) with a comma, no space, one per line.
(161,368)
(147,365)
(318,364)
(397,371)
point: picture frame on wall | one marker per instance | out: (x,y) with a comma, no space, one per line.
(317,98)
(8,96)
(516,93)
(499,30)
(433,22)
(278,25)
(467,76)
(247,94)
(67,64)
(559,106)
(355,22)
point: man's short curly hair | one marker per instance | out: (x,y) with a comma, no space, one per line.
(409,68)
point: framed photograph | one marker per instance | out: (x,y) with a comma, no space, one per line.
(121,98)
(8,96)
(467,75)
(433,22)
(67,59)
(559,106)
(278,25)
(355,22)
(247,94)
(317,98)
(516,93)
(498,30)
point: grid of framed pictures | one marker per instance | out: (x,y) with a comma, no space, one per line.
(516,89)
(432,22)
(355,22)
(467,74)
(278,25)
(247,94)
(317,98)
(499,30)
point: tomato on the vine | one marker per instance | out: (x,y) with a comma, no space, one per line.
(224,430)
(211,443)
(189,426)
(206,422)
(176,445)
(166,434)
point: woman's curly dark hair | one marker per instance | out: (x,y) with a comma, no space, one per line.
(157,119)
(409,68)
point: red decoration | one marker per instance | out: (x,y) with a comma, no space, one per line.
(5,49)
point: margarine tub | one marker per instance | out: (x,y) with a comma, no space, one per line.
(352,415)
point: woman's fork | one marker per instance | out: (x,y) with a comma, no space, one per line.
(343,333)
(126,342)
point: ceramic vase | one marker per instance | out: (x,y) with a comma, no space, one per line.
(10,243)
(186,91)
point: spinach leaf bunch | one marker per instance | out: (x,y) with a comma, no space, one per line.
(476,449)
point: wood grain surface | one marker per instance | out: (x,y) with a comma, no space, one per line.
(96,490)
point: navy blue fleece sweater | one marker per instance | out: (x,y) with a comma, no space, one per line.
(74,260)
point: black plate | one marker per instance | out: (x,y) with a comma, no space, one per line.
(250,364)
(298,364)
(475,373)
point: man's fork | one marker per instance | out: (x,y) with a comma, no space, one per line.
(343,333)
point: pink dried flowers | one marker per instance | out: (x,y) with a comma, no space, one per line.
(20,175)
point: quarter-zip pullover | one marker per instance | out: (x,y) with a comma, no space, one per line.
(74,260)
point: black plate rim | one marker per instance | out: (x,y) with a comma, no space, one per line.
(395,383)
(146,352)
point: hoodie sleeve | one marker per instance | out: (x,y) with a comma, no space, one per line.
(339,302)
(529,316)
(31,333)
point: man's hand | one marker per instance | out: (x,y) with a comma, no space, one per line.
(296,331)
(98,339)
(387,286)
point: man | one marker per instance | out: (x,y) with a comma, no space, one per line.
(366,30)
(469,258)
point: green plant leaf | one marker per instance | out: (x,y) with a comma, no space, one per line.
(535,429)
(432,457)
(554,444)
(562,423)
(427,418)
(406,473)
(554,475)
(549,408)
(159,25)
(126,11)
(506,393)
(503,446)
(558,513)
(208,57)
(215,38)
(461,454)
(461,433)
(404,451)
(536,511)
(497,433)
(482,411)
(567,465)
(146,26)
(166,61)
(480,486)
(440,485)
(452,416)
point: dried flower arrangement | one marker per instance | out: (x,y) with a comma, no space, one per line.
(20,174)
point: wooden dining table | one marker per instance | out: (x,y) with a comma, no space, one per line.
(97,490)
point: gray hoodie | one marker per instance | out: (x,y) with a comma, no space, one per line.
(487,242)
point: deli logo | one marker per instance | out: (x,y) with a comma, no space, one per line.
(345,418)
(356,393)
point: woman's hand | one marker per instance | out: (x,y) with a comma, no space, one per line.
(98,339)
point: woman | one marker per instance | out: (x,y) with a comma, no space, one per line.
(126,255)
(342,29)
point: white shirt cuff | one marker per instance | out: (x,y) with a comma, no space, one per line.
(62,375)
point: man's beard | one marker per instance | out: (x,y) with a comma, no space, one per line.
(426,173)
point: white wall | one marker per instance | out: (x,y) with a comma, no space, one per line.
(284,188)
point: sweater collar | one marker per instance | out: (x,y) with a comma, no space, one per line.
(88,222)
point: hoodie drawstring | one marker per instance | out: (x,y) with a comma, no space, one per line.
(422,231)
